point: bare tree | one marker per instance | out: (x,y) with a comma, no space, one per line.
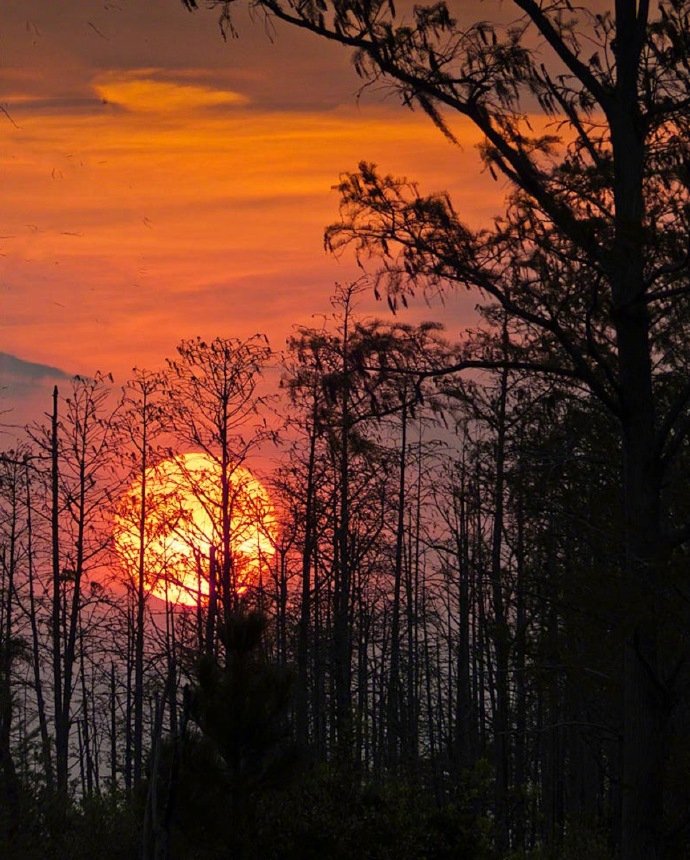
(80,483)
(141,424)
(214,403)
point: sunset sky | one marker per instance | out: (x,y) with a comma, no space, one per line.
(159,183)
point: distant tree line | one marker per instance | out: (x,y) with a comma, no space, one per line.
(440,617)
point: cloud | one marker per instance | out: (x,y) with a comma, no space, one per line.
(24,385)
(25,392)
(12,365)
(146,94)
(20,105)
(16,372)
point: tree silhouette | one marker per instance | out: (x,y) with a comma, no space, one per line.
(213,402)
(237,748)
(590,262)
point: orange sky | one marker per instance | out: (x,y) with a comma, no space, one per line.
(159,183)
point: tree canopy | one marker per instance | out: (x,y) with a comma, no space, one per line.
(589,263)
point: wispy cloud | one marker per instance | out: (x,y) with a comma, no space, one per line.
(135,92)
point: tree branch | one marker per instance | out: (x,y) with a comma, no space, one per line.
(581,71)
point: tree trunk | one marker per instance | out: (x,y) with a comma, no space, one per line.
(645,714)
(35,647)
(9,782)
(303,633)
(464,721)
(140,604)
(342,645)
(520,666)
(60,751)
(500,628)
(394,722)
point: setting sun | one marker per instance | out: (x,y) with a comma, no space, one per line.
(182,498)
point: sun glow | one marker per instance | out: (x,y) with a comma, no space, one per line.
(182,503)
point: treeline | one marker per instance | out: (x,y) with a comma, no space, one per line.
(442,604)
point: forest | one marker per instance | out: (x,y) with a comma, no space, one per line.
(427,596)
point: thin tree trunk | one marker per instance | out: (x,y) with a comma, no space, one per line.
(342,646)
(35,648)
(500,627)
(303,633)
(9,782)
(72,621)
(212,601)
(86,734)
(113,730)
(394,722)
(60,752)
(464,721)
(520,664)
(140,603)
